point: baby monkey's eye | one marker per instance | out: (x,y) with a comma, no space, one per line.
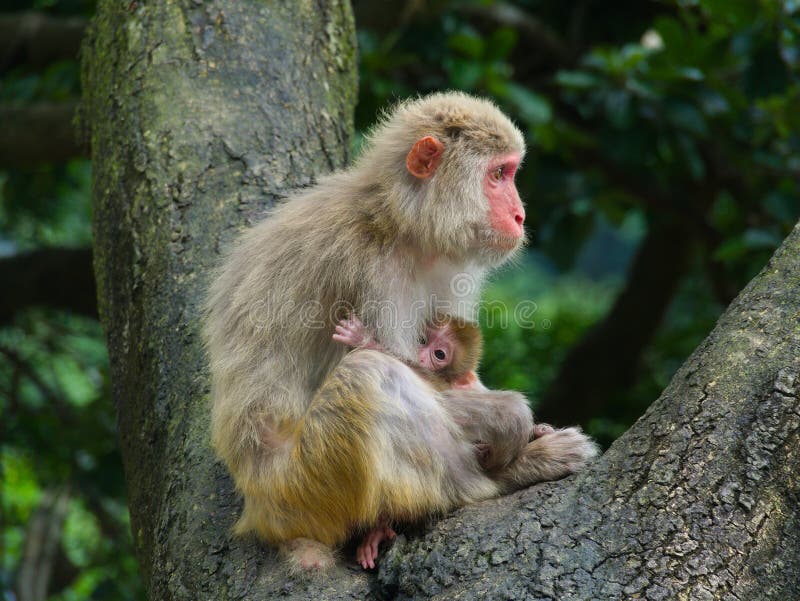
(497,173)
(440,354)
(422,340)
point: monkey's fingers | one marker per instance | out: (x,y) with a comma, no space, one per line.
(373,550)
(346,336)
(483,451)
(363,552)
(361,556)
(352,323)
(540,430)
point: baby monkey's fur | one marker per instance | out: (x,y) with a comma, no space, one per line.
(321,444)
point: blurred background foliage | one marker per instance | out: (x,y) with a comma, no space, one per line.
(662,173)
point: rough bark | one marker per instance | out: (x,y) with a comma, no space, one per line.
(700,499)
(200,115)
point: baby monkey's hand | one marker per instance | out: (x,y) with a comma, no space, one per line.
(353,333)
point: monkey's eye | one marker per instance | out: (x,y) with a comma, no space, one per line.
(440,354)
(497,173)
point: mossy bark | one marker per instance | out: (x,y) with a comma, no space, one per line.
(202,114)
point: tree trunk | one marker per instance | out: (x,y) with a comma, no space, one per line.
(200,116)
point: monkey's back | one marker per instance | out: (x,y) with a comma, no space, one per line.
(269,313)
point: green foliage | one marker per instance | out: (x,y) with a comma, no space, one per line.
(681,112)
(635,113)
(532,317)
(59,425)
(46,206)
(59,433)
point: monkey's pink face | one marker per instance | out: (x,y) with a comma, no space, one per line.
(506,213)
(436,351)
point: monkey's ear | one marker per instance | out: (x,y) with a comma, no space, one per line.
(424,157)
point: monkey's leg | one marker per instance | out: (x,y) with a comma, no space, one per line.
(550,456)
(498,421)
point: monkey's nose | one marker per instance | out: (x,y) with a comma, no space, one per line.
(519,218)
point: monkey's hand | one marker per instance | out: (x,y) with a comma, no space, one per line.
(483,451)
(367,551)
(352,332)
(540,430)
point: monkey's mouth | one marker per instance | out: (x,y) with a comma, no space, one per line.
(492,239)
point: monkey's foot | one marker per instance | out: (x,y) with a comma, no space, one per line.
(367,551)
(306,554)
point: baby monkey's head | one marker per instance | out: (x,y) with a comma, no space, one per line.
(451,347)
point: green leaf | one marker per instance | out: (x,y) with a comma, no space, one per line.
(690,73)
(618,108)
(533,108)
(578,80)
(784,207)
(761,238)
(467,44)
(692,158)
(672,33)
(464,74)
(73,381)
(687,117)
(501,43)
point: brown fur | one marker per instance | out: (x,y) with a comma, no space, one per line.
(320,444)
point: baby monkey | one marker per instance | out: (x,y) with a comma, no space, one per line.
(448,357)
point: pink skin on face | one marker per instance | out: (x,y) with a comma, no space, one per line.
(437,352)
(506,213)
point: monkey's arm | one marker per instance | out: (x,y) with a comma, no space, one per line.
(469,381)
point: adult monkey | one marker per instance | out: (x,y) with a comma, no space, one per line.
(318,445)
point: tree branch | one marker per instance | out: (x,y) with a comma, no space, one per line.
(39,133)
(36,40)
(536,40)
(604,362)
(698,500)
(42,543)
(55,277)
